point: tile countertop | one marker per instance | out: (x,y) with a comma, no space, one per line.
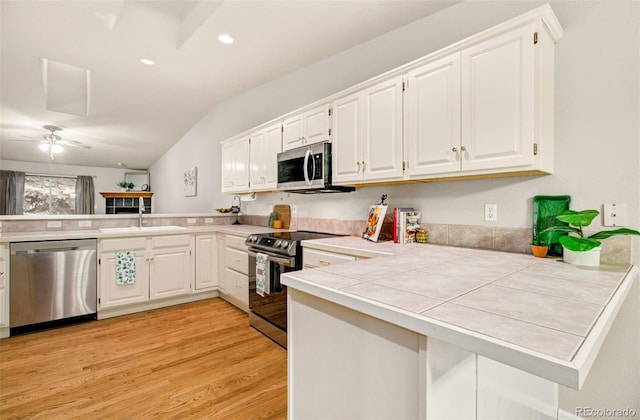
(543,316)
(241,230)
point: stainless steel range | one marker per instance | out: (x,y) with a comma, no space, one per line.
(270,255)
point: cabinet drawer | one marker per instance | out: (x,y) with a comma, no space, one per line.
(236,242)
(170,241)
(123,244)
(313,258)
(237,260)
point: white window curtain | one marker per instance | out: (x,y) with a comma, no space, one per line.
(11,192)
(85,195)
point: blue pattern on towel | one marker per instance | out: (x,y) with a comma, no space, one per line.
(125,267)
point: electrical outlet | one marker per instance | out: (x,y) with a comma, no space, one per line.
(191,221)
(84,223)
(54,224)
(615,214)
(208,220)
(294,209)
(491,212)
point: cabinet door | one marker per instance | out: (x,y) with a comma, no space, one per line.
(382,130)
(221,251)
(227,167)
(292,132)
(316,125)
(237,287)
(170,272)
(241,159)
(113,294)
(206,262)
(4,284)
(498,102)
(432,117)
(265,146)
(346,142)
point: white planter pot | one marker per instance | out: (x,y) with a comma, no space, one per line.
(589,258)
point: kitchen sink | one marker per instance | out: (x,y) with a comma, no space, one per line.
(140,229)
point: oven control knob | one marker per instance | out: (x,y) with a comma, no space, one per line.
(284,244)
(253,238)
(277,243)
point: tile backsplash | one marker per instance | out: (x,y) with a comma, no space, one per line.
(616,249)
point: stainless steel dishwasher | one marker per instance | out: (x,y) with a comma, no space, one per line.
(52,283)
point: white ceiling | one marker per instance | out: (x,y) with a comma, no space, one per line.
(137,112)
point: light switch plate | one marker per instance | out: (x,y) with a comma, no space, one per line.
(614,214)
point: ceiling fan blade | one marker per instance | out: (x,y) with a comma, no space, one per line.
(66,143)
(25,141)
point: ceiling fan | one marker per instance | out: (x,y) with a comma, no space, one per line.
(53,143)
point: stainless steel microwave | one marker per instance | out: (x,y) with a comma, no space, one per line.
(307,170)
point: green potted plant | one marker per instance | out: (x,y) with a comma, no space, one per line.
(539,247)
(581,250)
(125,186)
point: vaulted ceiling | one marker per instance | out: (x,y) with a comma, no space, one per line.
(76,65)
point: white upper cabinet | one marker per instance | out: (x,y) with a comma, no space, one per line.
(432,117)
(265,146)
(484,110)
(367,134)
(483,106)
(308,127)
(235,165)
(347,139)
(498,102)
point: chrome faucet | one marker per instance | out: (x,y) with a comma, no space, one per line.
(140,210)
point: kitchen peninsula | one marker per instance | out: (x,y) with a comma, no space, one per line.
(427,331)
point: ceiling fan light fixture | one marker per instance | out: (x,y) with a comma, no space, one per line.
(44,146)
(56,148)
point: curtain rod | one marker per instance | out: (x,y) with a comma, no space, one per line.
(57,176)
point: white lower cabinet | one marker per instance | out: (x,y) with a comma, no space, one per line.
(163,269)
(171,266)
(312,258)
(206,262)
(4,289)
(235,272)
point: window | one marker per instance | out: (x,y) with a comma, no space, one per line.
(49,194)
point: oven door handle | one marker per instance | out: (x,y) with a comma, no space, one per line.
(273,257)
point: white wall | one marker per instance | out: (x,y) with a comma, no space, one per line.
(597,145)
(105,179)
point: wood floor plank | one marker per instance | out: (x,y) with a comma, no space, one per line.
(197,360)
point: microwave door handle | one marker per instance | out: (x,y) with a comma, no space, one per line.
(306,166)
(313,168)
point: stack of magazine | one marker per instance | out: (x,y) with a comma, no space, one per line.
(405,222)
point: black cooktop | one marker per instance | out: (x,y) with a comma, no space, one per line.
(299,235)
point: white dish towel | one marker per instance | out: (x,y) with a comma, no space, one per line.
(125,267)
(262,274)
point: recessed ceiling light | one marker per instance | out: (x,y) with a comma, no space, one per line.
(147,62)
(119,163)
(225,38)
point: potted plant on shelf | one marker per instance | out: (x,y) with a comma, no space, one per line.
(125,186)
(581,250)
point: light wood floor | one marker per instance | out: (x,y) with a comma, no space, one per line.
(198,360)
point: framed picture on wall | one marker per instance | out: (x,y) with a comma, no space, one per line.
(190,179)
